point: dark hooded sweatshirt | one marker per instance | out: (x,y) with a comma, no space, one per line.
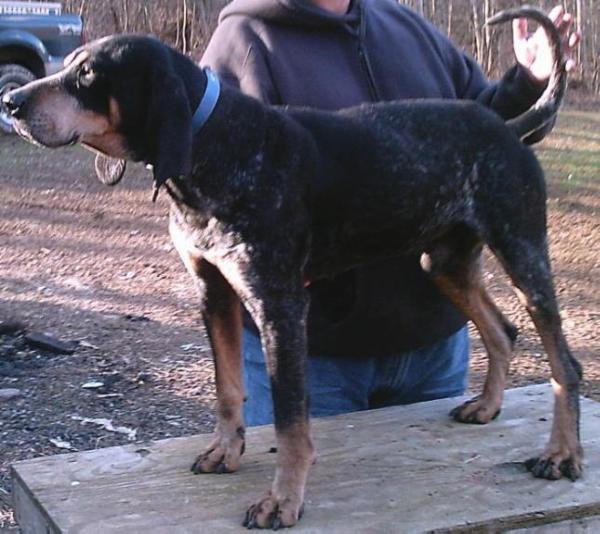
(291,52)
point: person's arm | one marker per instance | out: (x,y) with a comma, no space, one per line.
(524,83)
(512,95)
(239,58)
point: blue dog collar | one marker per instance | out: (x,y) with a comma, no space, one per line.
(203,112)
(208,102)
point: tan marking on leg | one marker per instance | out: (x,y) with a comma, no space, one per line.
(282,506)
(563,454)
(564,428)
(471,297)
(528,265)
(223,454)
(224,328)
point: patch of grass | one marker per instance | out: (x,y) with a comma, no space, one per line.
(570,155)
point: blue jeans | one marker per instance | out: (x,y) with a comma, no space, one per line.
(339,385)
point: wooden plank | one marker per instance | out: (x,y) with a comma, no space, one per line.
(28,511)
(400,469)
(578,526)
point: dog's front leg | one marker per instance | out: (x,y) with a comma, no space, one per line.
(283,331)
(221,312)
(223,323)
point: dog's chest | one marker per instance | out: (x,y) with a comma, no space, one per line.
(199,237)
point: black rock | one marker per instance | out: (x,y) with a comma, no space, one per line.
(50,344)
(136,318)
(10,327)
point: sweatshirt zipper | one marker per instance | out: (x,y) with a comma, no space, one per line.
(364,61)
(364,58)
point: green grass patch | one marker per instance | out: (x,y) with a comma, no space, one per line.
(570,155)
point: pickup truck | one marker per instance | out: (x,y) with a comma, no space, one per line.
(35,37)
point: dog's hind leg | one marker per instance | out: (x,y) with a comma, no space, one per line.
(526,262)
(454,263)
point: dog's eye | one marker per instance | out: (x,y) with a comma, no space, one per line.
(85,75)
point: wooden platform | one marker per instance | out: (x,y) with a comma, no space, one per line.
(401,469)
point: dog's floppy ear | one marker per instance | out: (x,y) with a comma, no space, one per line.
(109,170)
(170,128)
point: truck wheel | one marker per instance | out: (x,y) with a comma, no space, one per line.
(11,77)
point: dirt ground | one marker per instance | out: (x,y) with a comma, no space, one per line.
(94,265)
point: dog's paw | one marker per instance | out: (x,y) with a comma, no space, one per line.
(273,513)
(223,455)
(477,410)
(555,466)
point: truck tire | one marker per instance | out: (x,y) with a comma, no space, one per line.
(11,77)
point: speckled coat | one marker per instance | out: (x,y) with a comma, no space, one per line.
(290,52)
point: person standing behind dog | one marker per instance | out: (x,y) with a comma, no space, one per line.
(381,334)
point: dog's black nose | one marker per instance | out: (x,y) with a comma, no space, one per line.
(13,102)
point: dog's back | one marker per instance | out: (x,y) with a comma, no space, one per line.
(377,185)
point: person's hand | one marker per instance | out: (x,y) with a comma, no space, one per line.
(533,51)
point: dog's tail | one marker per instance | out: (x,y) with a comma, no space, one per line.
(546,107)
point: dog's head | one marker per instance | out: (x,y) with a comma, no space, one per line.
(125,97)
